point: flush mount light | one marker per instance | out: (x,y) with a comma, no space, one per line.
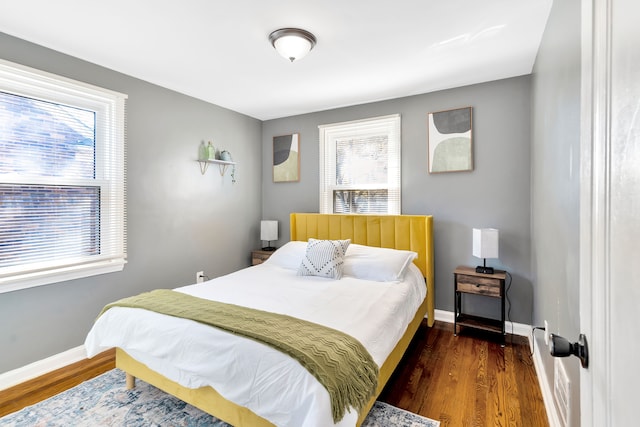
(292,43)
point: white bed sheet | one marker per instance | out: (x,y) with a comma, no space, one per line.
(270,383)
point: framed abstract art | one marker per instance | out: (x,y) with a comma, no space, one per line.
(286,158)
(450,141)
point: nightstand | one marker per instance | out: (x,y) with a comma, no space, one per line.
(259,256)
(467,281)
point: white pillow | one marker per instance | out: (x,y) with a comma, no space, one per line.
(288,255)
(378,264)
(324,258)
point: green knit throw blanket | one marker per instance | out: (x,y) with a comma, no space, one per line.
(340,362)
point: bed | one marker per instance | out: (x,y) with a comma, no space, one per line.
(405,232)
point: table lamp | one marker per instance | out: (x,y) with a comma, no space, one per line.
(485,245)
(269,233)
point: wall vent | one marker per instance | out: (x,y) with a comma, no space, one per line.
(562,392)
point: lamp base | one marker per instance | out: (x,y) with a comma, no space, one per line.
(484,270)
(269,248)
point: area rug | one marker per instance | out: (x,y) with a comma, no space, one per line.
(105,401)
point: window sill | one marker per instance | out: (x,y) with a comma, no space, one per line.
(31,280)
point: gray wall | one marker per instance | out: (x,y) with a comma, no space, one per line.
(179,221)
(495,194)
(555,176)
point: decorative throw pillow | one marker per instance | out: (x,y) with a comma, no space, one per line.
(324,258)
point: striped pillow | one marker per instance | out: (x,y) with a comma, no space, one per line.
(324,258)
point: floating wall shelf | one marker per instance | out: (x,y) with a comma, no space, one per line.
(222,164)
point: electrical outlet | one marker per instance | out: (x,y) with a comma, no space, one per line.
(200,277)
(546,333)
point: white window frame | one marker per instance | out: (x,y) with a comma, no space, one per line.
(109,174)
(328,134)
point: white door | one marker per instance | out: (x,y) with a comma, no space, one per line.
(610,212)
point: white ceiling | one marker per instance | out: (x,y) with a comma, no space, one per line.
(217,51)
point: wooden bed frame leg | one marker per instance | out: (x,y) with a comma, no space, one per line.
(131,381)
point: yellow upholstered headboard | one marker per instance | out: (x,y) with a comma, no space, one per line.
(407,232)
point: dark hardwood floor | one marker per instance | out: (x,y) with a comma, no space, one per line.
(40,388)
(468,380)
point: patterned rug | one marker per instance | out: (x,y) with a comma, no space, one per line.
(105,401)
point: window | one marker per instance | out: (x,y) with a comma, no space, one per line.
(360,166)
(62,179)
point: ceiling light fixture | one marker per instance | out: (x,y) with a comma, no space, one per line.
(292,43)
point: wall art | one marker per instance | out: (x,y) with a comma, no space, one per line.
(449,141)
(286,158)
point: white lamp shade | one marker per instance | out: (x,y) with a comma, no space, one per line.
(269,230)
(485,242)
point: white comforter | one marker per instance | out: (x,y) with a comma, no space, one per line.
(251,374)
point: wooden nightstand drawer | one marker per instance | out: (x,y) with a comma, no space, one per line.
(478,285)
(258,257)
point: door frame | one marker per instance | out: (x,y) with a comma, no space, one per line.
(595,214)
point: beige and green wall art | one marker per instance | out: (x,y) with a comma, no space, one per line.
(449,141)
(286,158)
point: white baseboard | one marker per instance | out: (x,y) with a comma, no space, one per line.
(444,316)
(511,327)
(546,389)
(41,367)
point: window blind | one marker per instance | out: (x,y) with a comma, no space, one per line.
(360,166)
(62,179)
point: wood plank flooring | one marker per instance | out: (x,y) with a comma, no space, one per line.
(52,383)
(468,380)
